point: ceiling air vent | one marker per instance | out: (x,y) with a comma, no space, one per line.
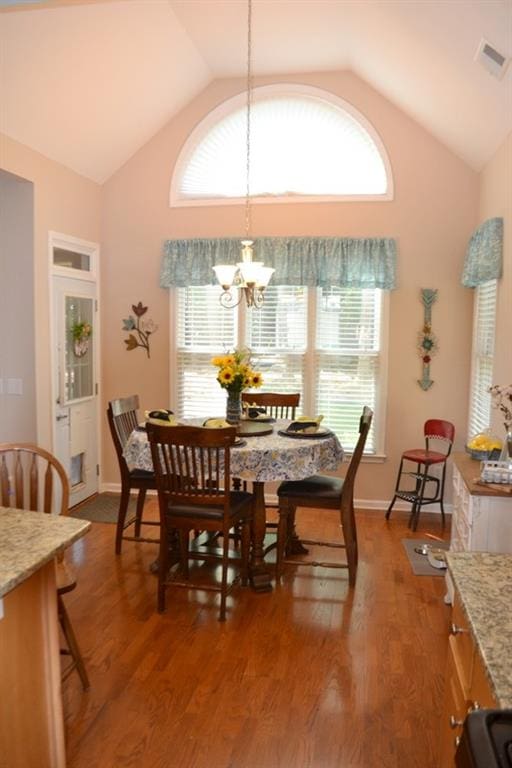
(491,59)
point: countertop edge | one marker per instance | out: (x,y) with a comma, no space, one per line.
(65,531)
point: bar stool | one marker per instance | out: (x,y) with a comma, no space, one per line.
(424,458)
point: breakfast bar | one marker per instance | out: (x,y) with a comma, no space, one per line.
(31,721)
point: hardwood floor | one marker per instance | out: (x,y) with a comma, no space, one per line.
(308,676)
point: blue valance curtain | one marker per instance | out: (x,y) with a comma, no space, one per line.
(310,261)
(484,254)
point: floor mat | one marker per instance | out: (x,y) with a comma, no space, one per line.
(419,563)
(102,508)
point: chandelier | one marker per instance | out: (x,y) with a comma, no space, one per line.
(250,277)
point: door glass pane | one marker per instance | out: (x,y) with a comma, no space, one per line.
(79,350)
(71,259)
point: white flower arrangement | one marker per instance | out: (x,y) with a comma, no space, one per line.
(502,400)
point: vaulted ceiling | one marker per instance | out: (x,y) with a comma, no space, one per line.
(88,82)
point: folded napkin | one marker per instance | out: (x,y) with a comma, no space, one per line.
(307,424)
(162,416)
(216,424)
(253,410)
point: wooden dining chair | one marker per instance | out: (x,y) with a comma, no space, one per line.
(21,467)
(279,406)
(192,468)
(122,415)
(329,493)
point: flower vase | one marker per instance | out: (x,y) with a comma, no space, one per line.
(234,407)
(506,452)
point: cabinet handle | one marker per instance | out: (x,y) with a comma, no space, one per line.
(474,706)
(456,741)
(454,723)
(455,630)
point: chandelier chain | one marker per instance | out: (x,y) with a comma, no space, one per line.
(248,124)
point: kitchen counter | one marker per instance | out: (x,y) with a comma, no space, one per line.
(484,584)
(470,471)
(31,717)
(28,540)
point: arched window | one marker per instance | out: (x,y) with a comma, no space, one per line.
(306,144)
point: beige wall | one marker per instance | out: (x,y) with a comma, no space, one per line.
(64,202)
(496,200)
(432,217)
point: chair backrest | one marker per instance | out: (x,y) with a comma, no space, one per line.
(279,406)
(192,465)
(122,419)
(365,423)
(437,429)
(22,466)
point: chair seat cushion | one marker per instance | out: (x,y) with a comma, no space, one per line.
(238,500)
(316,486)
(422,456)
(141,474)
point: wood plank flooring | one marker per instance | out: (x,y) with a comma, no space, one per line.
(309,676)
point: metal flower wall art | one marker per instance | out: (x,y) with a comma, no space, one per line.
(427,342)
(139,330)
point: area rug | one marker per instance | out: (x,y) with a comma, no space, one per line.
(419,563)
(102,508)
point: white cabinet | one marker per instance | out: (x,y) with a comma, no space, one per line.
(481,518)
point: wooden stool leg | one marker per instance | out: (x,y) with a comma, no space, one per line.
(67,630)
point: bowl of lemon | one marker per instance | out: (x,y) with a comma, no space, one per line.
(484,447)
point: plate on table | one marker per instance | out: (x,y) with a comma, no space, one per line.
(239,442)
(320,432)
(251,428)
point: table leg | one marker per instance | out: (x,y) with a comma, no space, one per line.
(259,573)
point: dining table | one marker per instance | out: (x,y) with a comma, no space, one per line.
(271,454)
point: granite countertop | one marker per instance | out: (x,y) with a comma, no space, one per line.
(484,583)
(28,540)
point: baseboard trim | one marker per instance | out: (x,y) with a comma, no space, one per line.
(271,499)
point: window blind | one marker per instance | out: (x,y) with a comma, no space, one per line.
(343,158)
(484,326)
(204,329)
(323,343)
(277,336)
(347,359)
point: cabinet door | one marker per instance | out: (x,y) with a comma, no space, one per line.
(481,695)
(454,711)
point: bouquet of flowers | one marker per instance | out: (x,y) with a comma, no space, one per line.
(502,400)
(235,372)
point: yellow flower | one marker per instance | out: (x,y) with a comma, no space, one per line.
(218,361)
(225,376)
(256,380)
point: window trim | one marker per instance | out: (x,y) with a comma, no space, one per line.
(379,419)
(258,94)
